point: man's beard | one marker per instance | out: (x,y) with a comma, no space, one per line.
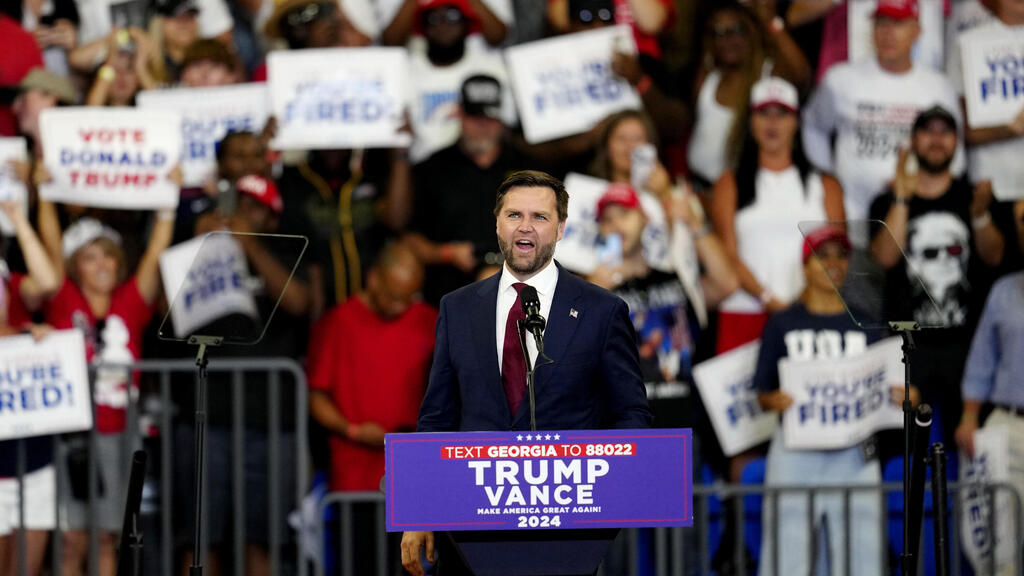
(444,55)
(933,167)
(542,255)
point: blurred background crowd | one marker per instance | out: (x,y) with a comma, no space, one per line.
(755,117)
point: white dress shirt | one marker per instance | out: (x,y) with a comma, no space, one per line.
(545,282)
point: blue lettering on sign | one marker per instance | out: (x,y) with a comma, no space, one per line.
(850,401)
(33,387)
(1007,77)
(86,157)
(213,277)
(200,135)
(563,89)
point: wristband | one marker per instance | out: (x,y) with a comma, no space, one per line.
(644,85)
(901,200)
(766,296)
(979,222)
(107,73)
(703,231)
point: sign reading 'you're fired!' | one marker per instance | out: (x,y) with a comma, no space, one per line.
(546,479)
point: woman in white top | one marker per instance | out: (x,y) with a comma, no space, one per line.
(740,46)
(756,211)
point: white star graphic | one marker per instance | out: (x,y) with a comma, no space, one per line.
(547,436)
(528,437)
(557,436)
(520,437)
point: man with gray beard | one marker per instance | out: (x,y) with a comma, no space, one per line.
(452,229)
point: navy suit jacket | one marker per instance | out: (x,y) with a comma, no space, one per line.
(593,383)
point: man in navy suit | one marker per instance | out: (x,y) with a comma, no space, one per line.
(478,378)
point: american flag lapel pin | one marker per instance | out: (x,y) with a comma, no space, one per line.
(573,313)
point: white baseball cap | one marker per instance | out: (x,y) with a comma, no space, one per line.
(85,231)
(774,91)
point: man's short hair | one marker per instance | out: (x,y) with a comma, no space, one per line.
(209,50)
(534,179)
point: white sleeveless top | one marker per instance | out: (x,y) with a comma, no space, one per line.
(713,122)
(767,237)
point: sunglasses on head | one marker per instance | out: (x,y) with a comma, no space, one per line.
(309,13)
(587,15)
(933,253)
(450,15)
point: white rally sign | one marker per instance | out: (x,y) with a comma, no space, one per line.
(44,386)
(995,447)
(565,85)
(578,248)
(840,402)
(12,189)
(208,277)
(111,157)
(207,114)
(338,97)
(726,388)
(993,69)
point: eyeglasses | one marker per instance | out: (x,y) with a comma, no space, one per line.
(586,15)
(309,13)
(933,253)
(730,31)
(447,15)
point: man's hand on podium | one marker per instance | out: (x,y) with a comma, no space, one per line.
(412,543)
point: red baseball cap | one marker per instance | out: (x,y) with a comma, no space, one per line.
(619,194)
(896,9)
(264,191)
(821,236)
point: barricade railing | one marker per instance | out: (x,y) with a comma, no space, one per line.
(689,551)
(162,555)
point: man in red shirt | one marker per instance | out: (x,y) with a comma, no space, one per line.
(368,365)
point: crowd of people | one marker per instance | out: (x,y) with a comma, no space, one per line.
(758,121)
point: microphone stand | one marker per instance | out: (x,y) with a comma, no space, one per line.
(542,360)
(129,560)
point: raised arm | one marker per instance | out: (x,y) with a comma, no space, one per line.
(41,281)
(147,276)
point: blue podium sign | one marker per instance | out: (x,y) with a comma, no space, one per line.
(538,480)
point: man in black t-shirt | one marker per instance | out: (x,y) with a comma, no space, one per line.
(452,228)
(945,228)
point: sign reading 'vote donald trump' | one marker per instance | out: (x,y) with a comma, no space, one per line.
(338,97)
(565,85)
(840,402)
(111,157)
(44,386)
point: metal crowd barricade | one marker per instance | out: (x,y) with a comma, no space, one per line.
(164,548)
(671,551)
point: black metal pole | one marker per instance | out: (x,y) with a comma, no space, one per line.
(915,506)
(199,447)
(130,552)
(940,507)
(907,558)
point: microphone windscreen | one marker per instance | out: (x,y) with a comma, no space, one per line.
(528,295)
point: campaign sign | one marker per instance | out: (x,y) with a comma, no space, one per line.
(44,386)
(207,114)
(993,68)
(12,189)
(986,538)
(538,480)
(840,402)
(565,85)
(111,157)
(338,97)
(207,277)
(578,248)
(726,386)
(928,50)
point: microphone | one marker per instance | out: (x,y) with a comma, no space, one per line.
(534,321)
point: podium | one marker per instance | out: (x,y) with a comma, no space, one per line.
(537,503)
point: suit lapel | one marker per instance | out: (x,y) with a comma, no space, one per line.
(485,347)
